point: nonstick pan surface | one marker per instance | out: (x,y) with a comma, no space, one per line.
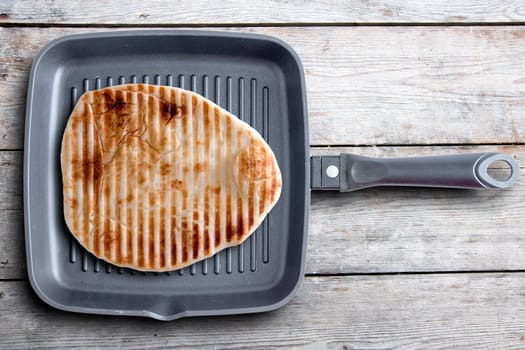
(257,78)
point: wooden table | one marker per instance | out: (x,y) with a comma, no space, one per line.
(386,268)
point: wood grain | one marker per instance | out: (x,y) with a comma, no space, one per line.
(11,180)
(373,230)
(12,249)
(365,85)
(430,312)
(200,12)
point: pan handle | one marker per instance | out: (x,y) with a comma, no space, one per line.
(350,172)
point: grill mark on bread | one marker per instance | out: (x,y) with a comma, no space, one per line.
(115,244)
(70,202)
(195,235)
(162,244)
(206,235)
(234,189)
(171,240)
(177,222)
(137,218)
(118,239)
(95,177)
(263,187)
(202,143)
(165,211)
(144,178)
(97,242)
(122,204)
(114,235)
(173,237)
(84,142)
(239,199)
(128,246)
(78,184)
(105,234)
(140,243)
(158,229)
(151,240)
(175,232)
(223,205)
(193,105)
(184,238)
(152,138)
(239,227)
(218,194)
(274,183)
(140,236)
(208,122)
(195,161)
(251,199)
(228,209)
(246,188)
(256,201)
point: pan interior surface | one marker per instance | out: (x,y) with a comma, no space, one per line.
(258,79)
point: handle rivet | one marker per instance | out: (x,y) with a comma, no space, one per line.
(332,171)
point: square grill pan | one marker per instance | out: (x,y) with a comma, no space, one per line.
(257,78)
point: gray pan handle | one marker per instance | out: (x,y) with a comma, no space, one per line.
(350,172)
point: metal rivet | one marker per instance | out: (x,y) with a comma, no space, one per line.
(332,171)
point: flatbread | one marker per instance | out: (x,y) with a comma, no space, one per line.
(156,178)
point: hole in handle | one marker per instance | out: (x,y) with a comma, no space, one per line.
(497,171)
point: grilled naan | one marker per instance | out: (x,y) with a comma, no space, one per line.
(156,178)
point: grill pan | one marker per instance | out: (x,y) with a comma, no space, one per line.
(260,80)
(257,78)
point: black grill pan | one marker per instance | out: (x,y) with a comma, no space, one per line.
(257,78)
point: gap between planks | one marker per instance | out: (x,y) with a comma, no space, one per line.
(257,25)
(334,275)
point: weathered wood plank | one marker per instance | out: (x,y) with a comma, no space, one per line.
(195,12)
(11,163)
(365,312)
(374,230)
(366,85)
(12,249)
